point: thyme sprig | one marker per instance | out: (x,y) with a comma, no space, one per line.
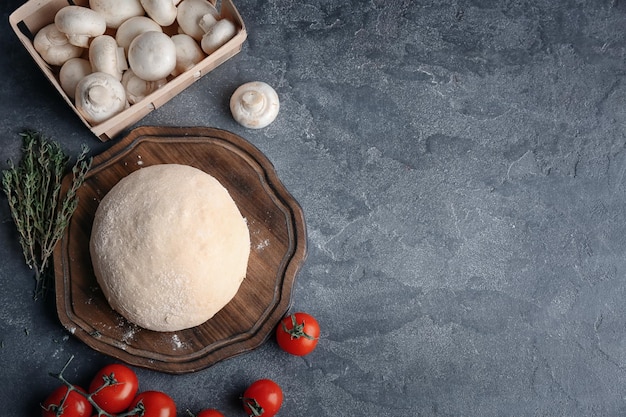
(40,213)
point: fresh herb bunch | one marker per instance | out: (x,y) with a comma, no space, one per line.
(40,213)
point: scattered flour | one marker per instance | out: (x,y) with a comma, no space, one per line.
(130,330)
(178,344)
(263,244)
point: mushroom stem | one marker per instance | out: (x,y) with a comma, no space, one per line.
(206,22)
(99,95)
(254,104)
(252,101)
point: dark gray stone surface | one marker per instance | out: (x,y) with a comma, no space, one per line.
(461,169)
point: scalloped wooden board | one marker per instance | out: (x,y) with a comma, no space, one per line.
(278,250)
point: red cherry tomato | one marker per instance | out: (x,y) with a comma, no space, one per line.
(298,333)
(263,398)
(211,412)
(115,387)
(154,404)
(74,405)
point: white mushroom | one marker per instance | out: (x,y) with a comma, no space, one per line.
(188,53)
(80,24)
(134,27)
(137,89)
(99,96)
(254,105)
(106,56)
(116,12)
(161,11)
(53,45)
(217,35)
(191,13)
(71,73)
(152,56)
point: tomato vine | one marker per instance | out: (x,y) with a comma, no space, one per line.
(138,410)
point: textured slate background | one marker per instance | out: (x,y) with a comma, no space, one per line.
(461,169)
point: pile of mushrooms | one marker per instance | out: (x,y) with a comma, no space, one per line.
(114,53)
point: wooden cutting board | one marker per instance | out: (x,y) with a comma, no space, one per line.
(278,250)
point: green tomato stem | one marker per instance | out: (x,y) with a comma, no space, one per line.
(297,330)
(108,380)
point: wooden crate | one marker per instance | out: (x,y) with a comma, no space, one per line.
(27,20)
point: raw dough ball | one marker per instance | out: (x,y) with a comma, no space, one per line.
(169,247)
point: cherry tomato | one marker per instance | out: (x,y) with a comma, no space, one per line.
(298,333)
(210,412)
(154,404)
(120,385)
(75,404)
(263,398)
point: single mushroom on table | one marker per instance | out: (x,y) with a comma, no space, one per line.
(106,56)
(254,105)
(100,96)
(80,24)
(152,56)
(116,12)
(54,47)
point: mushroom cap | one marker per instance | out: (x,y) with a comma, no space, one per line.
(134,27)
(116,12)
(137,89)
(161,11)
(53,45)
(152,55)
(188,53)
(106,56)
(71,73)
(80,24)
(254,105)
(100,96)
(217,35)
(191,13)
